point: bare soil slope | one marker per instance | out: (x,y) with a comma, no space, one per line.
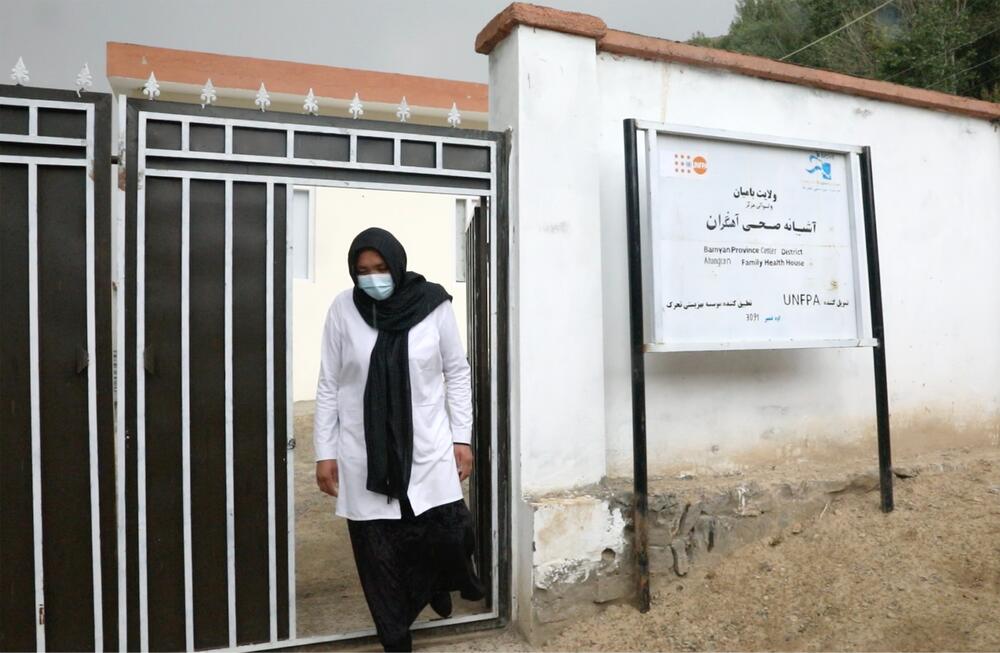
(923,578)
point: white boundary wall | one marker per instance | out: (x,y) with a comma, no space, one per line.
(938,208)
(936,176)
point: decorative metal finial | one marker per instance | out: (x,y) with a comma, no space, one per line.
(263,100)
(208,94)
(151,89)
(356,107)
(84,80)
(403,112)
(311,106)
(19,73)
(454,117)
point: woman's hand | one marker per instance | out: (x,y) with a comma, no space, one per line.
(463,461)
(327,477)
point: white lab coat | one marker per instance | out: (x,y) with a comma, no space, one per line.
(439,377)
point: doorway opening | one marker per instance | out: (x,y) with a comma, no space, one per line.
(433,228)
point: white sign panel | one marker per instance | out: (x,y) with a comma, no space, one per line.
(754,244)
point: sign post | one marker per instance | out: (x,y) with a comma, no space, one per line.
(878,331)
(748,242)
(640,501)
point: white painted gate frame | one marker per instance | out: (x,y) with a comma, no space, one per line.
(33,162)
(119,207)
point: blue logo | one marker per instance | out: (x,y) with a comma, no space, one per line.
(820,166)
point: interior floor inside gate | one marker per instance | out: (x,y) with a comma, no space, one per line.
(431,226)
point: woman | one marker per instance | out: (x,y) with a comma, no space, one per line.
(393,428)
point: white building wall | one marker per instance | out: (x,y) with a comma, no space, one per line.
(938,219)
(423,222)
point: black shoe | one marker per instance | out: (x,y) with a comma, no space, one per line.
(441,604)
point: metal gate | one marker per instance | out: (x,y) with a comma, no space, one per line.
(58,584)
(168,523)
(206,364)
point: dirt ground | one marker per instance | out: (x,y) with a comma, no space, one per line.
(328,593)
(329,599)
(923,578)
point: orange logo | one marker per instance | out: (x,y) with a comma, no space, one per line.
(686,164)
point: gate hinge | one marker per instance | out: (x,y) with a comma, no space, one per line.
(291,444)
(41,614)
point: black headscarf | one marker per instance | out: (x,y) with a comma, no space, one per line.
(388,412)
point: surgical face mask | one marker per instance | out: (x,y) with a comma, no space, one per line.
(378,286)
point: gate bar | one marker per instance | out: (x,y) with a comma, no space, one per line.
(140,398)
(36,440)
(186,408)
(640,489)
(95,494)
(42,161)
(272,574)
(120,463)
(289,410)
(230,519)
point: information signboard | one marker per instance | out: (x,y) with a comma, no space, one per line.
(753,243)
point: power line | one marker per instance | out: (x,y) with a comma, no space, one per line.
(938,54)
(965,70)
(842,27)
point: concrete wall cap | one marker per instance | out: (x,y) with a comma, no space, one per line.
(556,20)
(648,47)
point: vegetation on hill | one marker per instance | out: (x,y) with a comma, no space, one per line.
(951,46)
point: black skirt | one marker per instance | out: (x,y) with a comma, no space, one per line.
(404,562)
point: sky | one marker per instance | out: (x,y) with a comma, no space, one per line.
(421,37)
